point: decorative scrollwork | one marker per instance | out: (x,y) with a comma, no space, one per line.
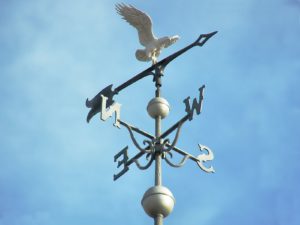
(147,165)
(167,141)
(148,149)
(180,164)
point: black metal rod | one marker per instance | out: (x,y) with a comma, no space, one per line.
(198,42)
(181,152)
(174,127)
(137,156)
(137,130)
(164,62)
(134,79)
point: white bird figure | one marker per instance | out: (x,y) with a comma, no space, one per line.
(142,22)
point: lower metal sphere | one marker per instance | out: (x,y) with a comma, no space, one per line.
(158,107)
(158,200)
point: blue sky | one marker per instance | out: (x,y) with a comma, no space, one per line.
(57,169)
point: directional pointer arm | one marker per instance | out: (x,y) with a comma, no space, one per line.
(203,38)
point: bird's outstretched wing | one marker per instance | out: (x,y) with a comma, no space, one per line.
(140,20)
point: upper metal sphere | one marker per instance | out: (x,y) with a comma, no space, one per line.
(158,107)
(158,200)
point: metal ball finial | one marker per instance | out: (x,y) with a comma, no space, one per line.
(158,200)
(158,106)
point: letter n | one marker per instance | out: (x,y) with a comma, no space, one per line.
(108,112)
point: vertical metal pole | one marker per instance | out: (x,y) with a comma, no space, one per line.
(158,175)
(158,220)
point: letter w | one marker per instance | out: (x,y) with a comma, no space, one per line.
(195,105)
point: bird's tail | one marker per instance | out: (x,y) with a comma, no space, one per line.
(141,55)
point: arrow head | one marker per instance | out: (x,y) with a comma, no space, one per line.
(204,38)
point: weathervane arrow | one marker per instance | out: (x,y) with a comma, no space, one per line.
(155,70)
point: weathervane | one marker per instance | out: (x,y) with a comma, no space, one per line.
(158,201)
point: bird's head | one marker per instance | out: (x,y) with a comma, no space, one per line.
(167,41)
(164,40)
